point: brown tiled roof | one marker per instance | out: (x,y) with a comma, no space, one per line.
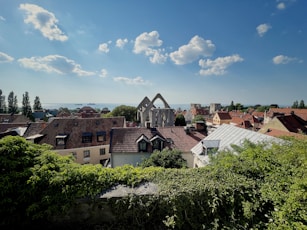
(35,128)
(75,127)
(124,139)
(302,113)
(224,115)
(280,133)
(15,118)
(293,123)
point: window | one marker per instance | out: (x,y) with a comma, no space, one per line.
(60,139)
(86,153)
(157,144)
(142,146)
(102,151)
(87,137)
(101,136)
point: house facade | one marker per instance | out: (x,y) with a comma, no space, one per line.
(87,139)
(220,118)
(132,145)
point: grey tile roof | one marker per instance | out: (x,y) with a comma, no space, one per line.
(229,134)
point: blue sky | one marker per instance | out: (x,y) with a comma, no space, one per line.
(199,51)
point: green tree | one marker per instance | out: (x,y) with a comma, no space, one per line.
(302,104)
(231,106)
(1,103)
(166,159)
(129,112)
(262,108)
(295,105)
(180,120)
(26,107)
(37,104)
(12,103)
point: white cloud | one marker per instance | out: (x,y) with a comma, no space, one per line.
(131,81)
(54,64)
(281,6)
(145,42)
(5,58)
(281,59)
(44,21)
(2,18)
(121,42)
(103,73)
(218,66)
(262,29)
(197,47)
(104,47)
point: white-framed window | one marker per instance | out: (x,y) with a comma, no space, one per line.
(142,146)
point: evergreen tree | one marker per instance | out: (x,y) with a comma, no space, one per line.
(37,104)
(302,104)
(12,103)
(26,107)
(231,106)
(295,105)
(1,102)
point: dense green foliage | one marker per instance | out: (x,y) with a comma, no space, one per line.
(129,112)
(263,187)
(166,159)
(180,120)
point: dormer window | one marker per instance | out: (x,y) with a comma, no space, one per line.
(143,146)
(101,136)
(87,137)
(210,146)
(60,139)
(157,142)
(142,142)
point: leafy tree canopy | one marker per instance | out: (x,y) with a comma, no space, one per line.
(129,112)
(180,120)
(166,159)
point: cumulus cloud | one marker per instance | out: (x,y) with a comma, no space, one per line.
(121,42)
(147,43)
(217,66)
(44,21)
(281,59)
(281,6)
(5,58)
(103,73)
(196,48)
(54,64)
(131,81)
(104,47)
(262,29)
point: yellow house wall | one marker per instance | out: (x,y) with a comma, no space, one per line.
(94,158)
(273,124)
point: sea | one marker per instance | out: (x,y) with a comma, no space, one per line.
(110,106)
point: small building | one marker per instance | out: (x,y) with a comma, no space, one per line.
(132,145)
(222,139)
(220,118)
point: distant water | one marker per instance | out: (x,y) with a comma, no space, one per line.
(100,106)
